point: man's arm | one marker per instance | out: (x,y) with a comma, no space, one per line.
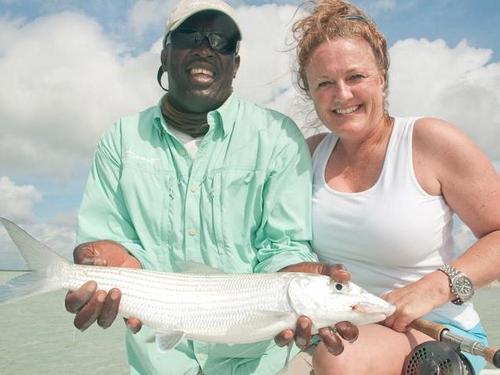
(103,215)
(282,241)
(103,212)
(283,236)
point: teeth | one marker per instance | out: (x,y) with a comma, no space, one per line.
(202,71)
(345,111)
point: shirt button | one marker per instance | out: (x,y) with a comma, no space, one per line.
(194,189)
(192,232)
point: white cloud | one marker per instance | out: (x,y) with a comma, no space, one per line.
(17,202)
(148,14)
(267,72)
(265,69)
(63,83)
(58,234)
(458,84)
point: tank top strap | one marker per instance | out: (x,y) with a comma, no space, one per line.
(320,157)
(398,163)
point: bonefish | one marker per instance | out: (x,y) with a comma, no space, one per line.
(209,306)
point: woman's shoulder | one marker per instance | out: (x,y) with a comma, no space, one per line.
(436,135)
(443,145)
(314,140)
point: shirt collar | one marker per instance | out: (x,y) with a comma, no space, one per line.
(225,114)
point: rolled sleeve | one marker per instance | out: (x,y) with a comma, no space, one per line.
(103,213)
(284,235)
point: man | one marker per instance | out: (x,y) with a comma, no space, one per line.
(204,176)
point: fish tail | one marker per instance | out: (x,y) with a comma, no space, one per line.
(44,267)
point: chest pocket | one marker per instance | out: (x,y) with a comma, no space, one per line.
(147,189)
(236,207)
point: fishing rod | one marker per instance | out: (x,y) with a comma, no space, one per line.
(457,342)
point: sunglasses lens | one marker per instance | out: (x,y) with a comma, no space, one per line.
(185,40)
(222,44)
(191,39)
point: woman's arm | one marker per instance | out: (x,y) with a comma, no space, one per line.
(446,162)
(471,187)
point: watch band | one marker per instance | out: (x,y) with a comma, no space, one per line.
(452,272)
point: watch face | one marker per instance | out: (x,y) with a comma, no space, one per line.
(463,287)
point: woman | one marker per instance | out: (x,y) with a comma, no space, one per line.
(385,190)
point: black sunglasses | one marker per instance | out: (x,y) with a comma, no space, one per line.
(186,38)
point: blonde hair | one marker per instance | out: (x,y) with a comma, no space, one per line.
(333,19)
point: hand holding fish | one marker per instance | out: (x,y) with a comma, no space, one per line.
(201,303)
(329,335)
(417,299)
(88,303)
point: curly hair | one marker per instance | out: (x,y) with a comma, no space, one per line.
(333,19)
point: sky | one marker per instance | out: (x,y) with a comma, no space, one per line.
(69,69)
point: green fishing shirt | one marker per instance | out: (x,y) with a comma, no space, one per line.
(241,205)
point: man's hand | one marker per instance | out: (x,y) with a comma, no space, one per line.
(88,303)
(329,335)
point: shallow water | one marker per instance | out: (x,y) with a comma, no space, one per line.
(38,337)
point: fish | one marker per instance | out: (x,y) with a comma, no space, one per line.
(200,303)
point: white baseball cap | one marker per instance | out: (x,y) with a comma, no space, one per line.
(186,8)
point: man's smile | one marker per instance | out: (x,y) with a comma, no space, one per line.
(201,73)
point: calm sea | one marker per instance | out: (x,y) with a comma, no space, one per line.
(38,337)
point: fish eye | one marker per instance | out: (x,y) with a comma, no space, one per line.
(339,286)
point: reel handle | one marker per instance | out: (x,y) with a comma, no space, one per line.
(441,333)
(492,355)
(431,329)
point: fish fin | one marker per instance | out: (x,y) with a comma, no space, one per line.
(26,285)
(38,256)
(288,353)
(168,340)
(197,268)
(41,260)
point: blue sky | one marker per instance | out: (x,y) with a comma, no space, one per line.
(69,69)
(451,20)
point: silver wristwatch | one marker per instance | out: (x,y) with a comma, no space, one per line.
(460,285)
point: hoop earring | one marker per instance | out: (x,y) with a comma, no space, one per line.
(159,74)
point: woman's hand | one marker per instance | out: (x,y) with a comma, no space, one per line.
(417,299)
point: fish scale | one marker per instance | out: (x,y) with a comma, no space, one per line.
(172,295)
(210,306)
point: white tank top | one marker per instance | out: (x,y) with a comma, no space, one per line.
(391,234)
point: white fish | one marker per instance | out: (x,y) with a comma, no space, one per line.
(212,306)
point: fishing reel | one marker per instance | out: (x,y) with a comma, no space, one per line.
(436,358)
